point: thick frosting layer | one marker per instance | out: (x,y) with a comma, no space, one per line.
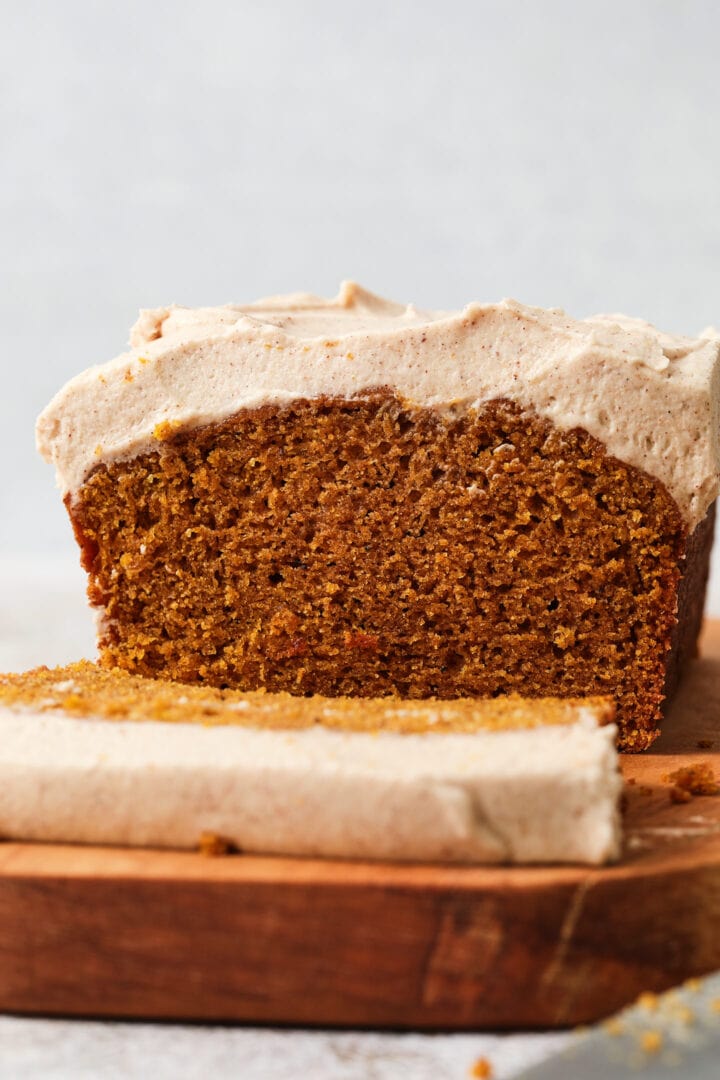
(547,794)
(653,399)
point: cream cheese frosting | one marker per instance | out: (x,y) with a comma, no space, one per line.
(652,398)
(546,794)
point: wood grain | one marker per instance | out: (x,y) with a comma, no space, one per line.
(133,933)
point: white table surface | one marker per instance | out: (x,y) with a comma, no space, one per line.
(44,620)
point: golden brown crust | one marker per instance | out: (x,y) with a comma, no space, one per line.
(372,548)
(88,690)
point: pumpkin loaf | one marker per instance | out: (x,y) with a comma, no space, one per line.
(350,497)
(92,755)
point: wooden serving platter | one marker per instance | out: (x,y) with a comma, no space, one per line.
(132,933)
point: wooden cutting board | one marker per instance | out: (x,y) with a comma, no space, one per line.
(131,933)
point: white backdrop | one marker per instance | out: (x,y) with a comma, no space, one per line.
(563,153)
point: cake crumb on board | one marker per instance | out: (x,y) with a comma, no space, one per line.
(214,845)
(691,780)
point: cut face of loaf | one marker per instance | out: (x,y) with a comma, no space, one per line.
(370,547)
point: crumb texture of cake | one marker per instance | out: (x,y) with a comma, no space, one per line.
(373,548)
(86,689)
(351,497)
(89,757)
